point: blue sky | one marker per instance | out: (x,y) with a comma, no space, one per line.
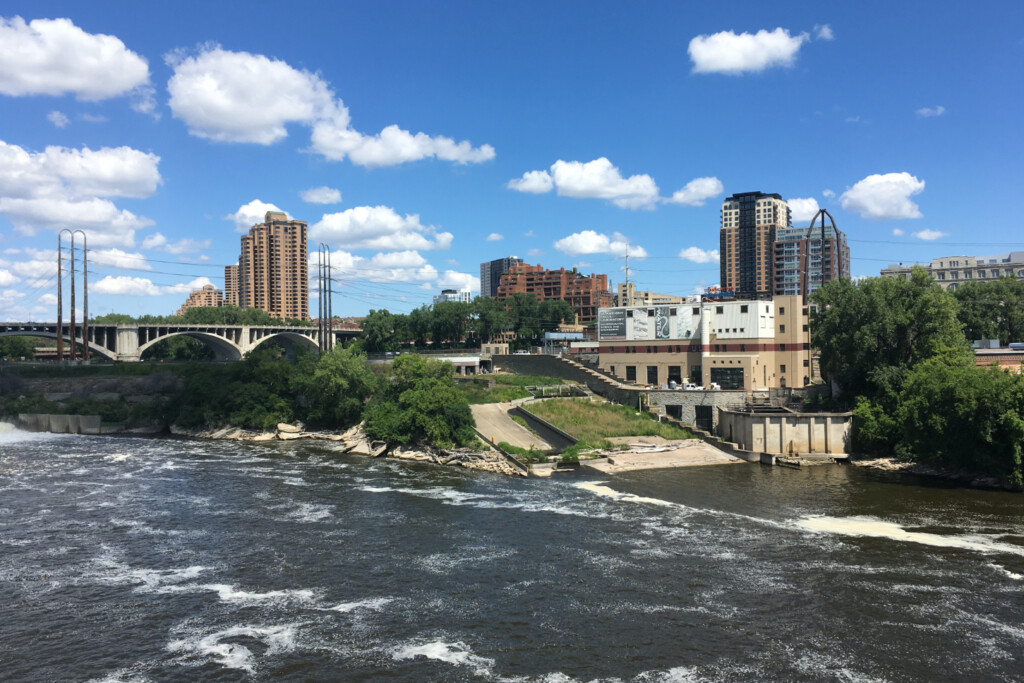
(440,135)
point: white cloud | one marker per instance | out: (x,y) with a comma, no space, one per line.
(929,234)
(379,228)
(58,119)
(728,53)
(884,197)
(398,259)
(927,112)
(393,145)
(61,172)
(534,182)
(495,237)
(104,223)
(7,278)
(186,245)
(140,286)
(823,32)
(803,209)
(404,266)
(223,96)
(116,258)
(828,194)
(697,191)
(590,242)
(241,97)
(698,255)
(321,195)
(535,252)
(250,214)
(460,281)
(601,180)
(528,233)
(48,299)
(93,118)
(55,57)
(898,233)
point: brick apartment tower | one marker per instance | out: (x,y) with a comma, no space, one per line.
(206,297)
(746,239)
(273,268)
(231,285)
(584,293)
(491,272)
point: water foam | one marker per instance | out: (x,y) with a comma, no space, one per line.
(600,488)
(369,604)
(1004,570)
(229,593)
(456,654)
(277,639)
(875,528)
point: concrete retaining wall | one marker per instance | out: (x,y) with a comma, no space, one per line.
(786,432)
(60,424)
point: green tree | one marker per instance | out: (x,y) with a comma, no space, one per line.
(338,387)
(448,321)
(992,310)
(419,402)
(419,325)
(870,334)
(17,347)
(489,318)
(379,331)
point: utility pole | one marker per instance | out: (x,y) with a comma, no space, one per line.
(85,292)
(60,300)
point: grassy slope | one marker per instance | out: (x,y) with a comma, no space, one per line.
(593,422)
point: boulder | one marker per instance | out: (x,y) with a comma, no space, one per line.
(287,428)
(288,436)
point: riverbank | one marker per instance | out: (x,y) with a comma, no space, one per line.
(972,480)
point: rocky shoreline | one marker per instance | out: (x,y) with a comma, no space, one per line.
(356,442)
(969,479)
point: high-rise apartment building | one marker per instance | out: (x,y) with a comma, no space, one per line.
(491,272)
(457,295)
(585,293)
(207,296)
(231,285)
(804,260)
(749,222)
(273,268)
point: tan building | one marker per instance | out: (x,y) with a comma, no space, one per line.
(952,271)
(273,269)
(804,262)
(585,293)
(628,295)
(208,296)
(746,239)
(231,285)
(738,344)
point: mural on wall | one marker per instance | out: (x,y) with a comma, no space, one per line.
(641,326)
(662,322)
(611,323)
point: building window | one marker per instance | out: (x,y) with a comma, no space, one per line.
(652,374)
(630,373)
(696,311)
(806,362)
(782,368)
(743,308)
(782,310)
(782,347)
(805,328)
(719,309)
(782,329)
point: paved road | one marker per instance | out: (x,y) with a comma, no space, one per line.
(492,420)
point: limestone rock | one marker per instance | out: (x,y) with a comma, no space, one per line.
(288,436)
(287,428)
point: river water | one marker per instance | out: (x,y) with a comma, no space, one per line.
(146,559)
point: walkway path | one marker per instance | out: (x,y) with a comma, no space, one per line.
(492,421)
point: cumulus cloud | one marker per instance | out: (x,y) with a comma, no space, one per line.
(495,237)
(55,57)
(597,179)
(403,266)
(186,245)
(140,286)
(534,182)
(252,213)
(321,195)
(377,227)
(58,119)
(803,209)
(828,194)
(591,242)
(222,96)
(698,255)
(823,32)
(535,252)
(7,278)
(697,191)
(884,196)
(460,281)
(729,53)
(927,112)
(116,258)
(929,234)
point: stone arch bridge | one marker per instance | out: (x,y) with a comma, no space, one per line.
(127,343)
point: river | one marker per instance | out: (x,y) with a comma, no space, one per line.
(148,559)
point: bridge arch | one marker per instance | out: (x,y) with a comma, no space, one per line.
(93,347)
(223,349)
(288,340)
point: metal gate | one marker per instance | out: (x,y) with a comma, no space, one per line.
(703,417)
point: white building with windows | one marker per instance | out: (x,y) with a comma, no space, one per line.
(952,271)
(463,295)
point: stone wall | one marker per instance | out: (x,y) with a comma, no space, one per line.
(684,403)
(59,424)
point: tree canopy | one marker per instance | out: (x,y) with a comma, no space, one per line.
(992,309)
